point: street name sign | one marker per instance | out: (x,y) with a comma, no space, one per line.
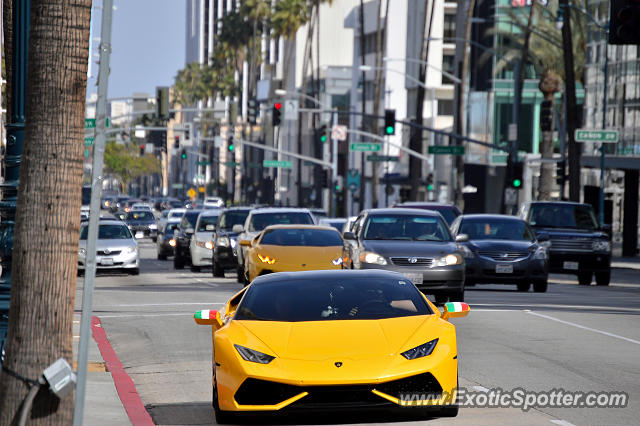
(375,157)
(203,163)
(446,150)
(90,123)
(603,136)
(230,163)
(355,146)
(279,164)
(88,141)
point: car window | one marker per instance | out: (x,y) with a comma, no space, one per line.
(231,218)
(190,219)
(261,220)
(207,221)
(140,215)
(563,216)
(496,229)
(327,300)
(108,232)
(405,227)
(301,237)
(170,228)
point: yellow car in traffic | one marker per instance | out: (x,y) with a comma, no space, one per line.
(329,340)
(287,248)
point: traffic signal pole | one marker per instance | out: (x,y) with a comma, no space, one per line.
(334,166)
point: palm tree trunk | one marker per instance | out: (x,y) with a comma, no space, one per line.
(45,254)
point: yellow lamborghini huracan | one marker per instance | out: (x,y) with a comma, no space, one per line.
(288,248)
(333,340)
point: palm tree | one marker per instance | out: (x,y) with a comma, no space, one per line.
(288,16)
(45,255)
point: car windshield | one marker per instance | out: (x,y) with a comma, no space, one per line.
(563,216)
(231,218)
(170,227)
(207,221)
(108,232)
(405,227)
(330,300)
(140,215)
(496,229)
(302,237)
(262,220)
(192,217)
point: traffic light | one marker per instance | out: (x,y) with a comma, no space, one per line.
(338,185)
(230,146)
(142,148)
(560,172)
(252,110)
(322,133)
(389,121)
(516,176)
(276,111)
(163,140)
(624,22)
(162,103)
(184,154)
(546,116)
(430,186)
(176,143)
(323,178)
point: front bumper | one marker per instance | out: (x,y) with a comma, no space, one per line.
(119,261)
(434,280)
(225,257)
(201,256)
(559,261)
(484,270)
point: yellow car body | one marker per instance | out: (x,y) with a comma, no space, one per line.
(267,258)
(333,364)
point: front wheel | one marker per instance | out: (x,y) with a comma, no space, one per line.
(524,286)
(134,271)
(584,278)
(603,278)
(216,270)
(240,272)
(540,286)
(222,417)
(162,256)
(178,261)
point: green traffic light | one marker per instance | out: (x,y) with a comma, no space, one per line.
(430,187)
(517,183)
(323,138)
(231,147)
(184,156)
(389,130)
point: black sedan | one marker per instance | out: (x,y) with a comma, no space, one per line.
(502,250)
(142,223)
(225,240)
(182,236)
(416,243)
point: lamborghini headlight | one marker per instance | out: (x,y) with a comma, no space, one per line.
(420,351)
(266,259)
(449,260)
(370,257)
(222,241)
(252,355)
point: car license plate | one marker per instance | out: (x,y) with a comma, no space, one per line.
(139,234)
(415,278)
(504,269)
(106,261)
(573,266)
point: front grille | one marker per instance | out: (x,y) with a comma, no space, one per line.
(492,272)
(503,256)
(574,244)
(263,392)
(407,261)
(111,253)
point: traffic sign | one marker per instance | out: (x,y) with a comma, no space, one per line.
(88,141)
(446,149)
(339,132)
(203,163)
(604,136)
(176,185)
(231,164)
(291,107)
(90,123)
(279,164)
(201,189)
(365,146)
(191,193)
(375,157)
(353,180)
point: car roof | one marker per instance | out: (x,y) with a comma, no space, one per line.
(491,216)
(401,211)
(239,208)
(567,203)
(301,226)
(279,210)
(211,212)
(327,275)
(424,203)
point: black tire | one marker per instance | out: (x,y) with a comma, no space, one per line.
(240,272)
(162,256)
(603,278)
(524,286)
(134,271)
(222,417)
(216,270)
(540,286)
(441,299)
(584,278)
(154,239)
(195,268)
(178,261)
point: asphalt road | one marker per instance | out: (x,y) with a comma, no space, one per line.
(573,337)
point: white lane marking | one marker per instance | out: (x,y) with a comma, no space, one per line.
(481,389)
(573,324)
(538,306)
(562,422)
(158,304)
(493,310)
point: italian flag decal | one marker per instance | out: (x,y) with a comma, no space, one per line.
(206,314)
(457,307)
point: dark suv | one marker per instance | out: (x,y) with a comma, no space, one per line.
(577,244)
(225,240)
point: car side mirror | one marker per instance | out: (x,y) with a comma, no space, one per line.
(462,238)
(244,243)
(237,229)
(208,317)
(455,310)
(542,237)
(348,235)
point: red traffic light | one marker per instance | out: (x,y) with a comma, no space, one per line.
(277,106)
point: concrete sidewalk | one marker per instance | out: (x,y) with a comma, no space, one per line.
(626,262)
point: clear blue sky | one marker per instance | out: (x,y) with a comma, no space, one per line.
(148,42)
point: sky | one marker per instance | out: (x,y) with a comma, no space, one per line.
(148,45)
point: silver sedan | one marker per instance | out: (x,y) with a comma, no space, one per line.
(116,248)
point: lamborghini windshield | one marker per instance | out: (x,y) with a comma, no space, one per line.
(344,299)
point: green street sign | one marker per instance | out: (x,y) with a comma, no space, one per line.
(231,164)
(355,146)
(446,150)
(176,185)
(90,123)
(375,157)
(275,163)
(203,163)
(86,153)
(603,136)
(88,141)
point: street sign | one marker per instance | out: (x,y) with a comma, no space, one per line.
(203,163)
(365,146)
(90,123)
(88,141)
(353,180)
(375,157)
(201,189)
(176,185)
(339,132)
(354,187)
(191,193)
(279,164)
(444,149)
(513,132)
(291,107)
(231,164)
(604,136)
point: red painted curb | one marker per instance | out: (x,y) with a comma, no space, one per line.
(124,385)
